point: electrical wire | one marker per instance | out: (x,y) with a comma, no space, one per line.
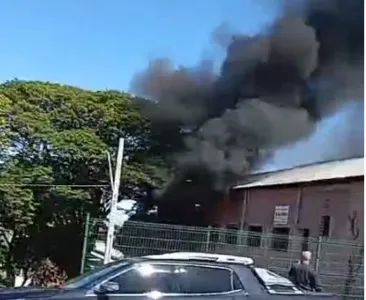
(55,185)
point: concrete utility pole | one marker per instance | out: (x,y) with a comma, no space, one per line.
(110,167)
(113,210)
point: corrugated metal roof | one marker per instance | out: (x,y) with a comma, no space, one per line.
(353,167)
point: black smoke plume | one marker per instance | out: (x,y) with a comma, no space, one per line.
(272,89)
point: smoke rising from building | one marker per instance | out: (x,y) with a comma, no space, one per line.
(342,133)
(272,90)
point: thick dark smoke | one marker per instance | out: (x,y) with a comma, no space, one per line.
(272,89)
(342,133)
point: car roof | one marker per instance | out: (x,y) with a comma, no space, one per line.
(202,257)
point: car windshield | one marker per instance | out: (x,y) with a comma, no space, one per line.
(270,278)
(274,282)
(88,278)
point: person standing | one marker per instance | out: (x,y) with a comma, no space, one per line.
(303,276)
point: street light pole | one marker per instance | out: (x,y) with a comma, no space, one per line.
(114,201)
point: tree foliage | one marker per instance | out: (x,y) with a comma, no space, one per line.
(48,275)
(54,168)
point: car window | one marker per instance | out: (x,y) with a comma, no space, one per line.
(275,283)
(89,278)
(268,277)
(237,285)
(145,279)
(176,279)
(198,280)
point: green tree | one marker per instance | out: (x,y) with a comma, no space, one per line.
(53,167)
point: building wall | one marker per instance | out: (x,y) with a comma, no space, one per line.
(261,204)
(229,211)
(342,201)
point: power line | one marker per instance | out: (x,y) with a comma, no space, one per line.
(55,185)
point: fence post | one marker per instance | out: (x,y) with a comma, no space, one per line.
(317,254)
(208,238)
(85,243)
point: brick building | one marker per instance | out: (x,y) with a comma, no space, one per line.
(274,216)
(325,199)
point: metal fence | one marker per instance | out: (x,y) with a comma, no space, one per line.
(338,263)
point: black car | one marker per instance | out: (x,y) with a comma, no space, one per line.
(180,275)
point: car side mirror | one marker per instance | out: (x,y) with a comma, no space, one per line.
(107,287)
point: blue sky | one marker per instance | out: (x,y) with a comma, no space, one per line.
(100,44)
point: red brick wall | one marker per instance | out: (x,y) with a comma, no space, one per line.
(307,203)
(262,202)
(228,211)
(336,200)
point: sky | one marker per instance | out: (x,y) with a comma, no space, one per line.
(330,131)
(99,44)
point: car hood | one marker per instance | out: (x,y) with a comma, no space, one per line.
(27,292)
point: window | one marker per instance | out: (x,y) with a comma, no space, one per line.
(144,280)
(237,283)
(232,234)
(305,239)
(325,226)
(97,274)
(205,280)
(183,279)
(274,282)
(280,239)
(254,236)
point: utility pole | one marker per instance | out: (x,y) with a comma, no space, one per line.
(110,168)
(113,210)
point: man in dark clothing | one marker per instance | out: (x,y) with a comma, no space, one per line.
(302,276)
